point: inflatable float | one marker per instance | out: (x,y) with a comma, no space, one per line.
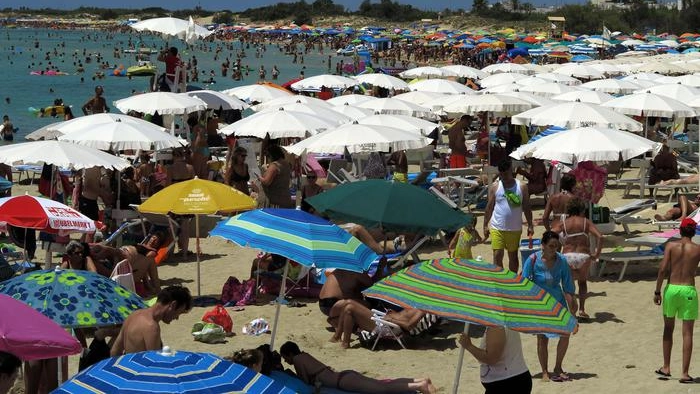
(52,110)
(141,69)
(47,72)
(119,71)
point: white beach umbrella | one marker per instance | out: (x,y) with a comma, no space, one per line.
(217,100)
(632,42)
(394,106)
(165,103)
(278,124)
(649,104)
(324,80)
(549,89)
(660,67)
(48,132)
(536,101)
(359,138)
(576,114)
(256,93)
(438,104)
(504,88)
(649,76)
(584,96)
(612,86)
(559,78)
(173,27)
(325,112)
(403,122)
(496,103)
(440,86)
(531,80)
(695,103)
(61,154)
(606,68)
(585,144)
(498,68)
(500,79)
(350,99)
(578,70)
(465,71)
(689,80)
(279,102)
(427,72)
(352,112)
(675,91)
(535,68)
(421,98)
(383,81)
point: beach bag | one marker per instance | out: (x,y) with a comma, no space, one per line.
(208,333)
(256,327)
(219,315)
(238,293)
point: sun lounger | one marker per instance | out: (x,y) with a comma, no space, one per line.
(626,257)
(348,176)
(673,189)
(640,179)
(627,214)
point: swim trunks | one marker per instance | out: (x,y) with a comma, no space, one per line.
(88,208)
(680,301)
(576,260)
(325,304)
(502,239)
(458,161)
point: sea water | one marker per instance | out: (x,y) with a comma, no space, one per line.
(25,50)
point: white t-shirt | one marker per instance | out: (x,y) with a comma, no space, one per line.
(507,217)
(512,362)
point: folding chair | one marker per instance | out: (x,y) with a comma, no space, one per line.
(384,330)
(627,214)
(334,167)
(123,275)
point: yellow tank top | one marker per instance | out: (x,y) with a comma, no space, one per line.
(463,249)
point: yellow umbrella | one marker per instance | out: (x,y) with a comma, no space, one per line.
(196,197)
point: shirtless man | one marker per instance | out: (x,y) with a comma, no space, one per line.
(141,330)
(680,298)
(96,104)
(457,142)
(536,176)
(92,184)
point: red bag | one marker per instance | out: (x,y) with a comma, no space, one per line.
(219,316)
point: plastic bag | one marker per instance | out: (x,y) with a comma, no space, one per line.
(218,315)
(208,333)
(256,327)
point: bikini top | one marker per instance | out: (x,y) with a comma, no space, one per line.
(567,235)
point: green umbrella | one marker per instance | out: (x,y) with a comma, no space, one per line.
(392,206)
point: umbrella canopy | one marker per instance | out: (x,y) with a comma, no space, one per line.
(406,123)
(352,112)
(576,114)
(394,106)
(427,72)
(675,91)
(420,98)
(116,132)
(323,111)
(359,138)
(278,124)
(549,89)
(173,27)
(586,144)
(578,70)
(298,236)
(256,93)
(650,104)
(487,103)
(390,206)
(165,103)
(383,81)
(501,79)
(475,292)
(325,80)
(73,298)
(559,78)
(498,68)
(43,214)
(30,335)
(441,86)
(584,96)
(170,372)
(47,132)
(466,71)
(350,99)
(61,154)
(612,86)
(281,102)
(217,100)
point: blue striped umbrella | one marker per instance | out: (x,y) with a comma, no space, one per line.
(298,236)
(170,372)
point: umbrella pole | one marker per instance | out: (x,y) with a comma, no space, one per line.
(199,282)
(280,299)
(460,360)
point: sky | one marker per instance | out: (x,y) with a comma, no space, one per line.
(216,5)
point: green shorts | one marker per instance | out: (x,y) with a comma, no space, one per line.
(508,240)
(680,301)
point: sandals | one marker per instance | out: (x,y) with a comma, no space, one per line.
(561,377)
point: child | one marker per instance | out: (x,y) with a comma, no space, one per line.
(463,241)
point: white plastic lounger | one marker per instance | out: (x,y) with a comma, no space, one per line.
(627,214)
(626,257)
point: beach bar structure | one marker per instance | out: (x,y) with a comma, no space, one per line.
(557,26)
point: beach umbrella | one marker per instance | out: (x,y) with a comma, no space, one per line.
(383,81)
(116,132)
(257,93)
(352,112)
(169,371)
(61,154)
(441,86)
(660,67)
(165,103)
(500,79)
(390,206)
(465,71)
(612,86)
(324,80)
(73,298)
(584,96)
(500,89)
(356,138)
(197,197)
(394,106)
(299,236)
(47,132)
(675,91)
(531,80)
(499,68)
(549,89)
(576,114)
(349,99)
(497,103)
(578,70)
(421,98)
(324,111)
(427,72)
(649,104)
(281,102)
(536,101)
(586,144)
(217,100)
(278,124)
(406,123)
(30,335)
(185,30)
(43,214)
(477,292)
(608,69)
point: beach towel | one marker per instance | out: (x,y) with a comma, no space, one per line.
(238,293)
(208,333)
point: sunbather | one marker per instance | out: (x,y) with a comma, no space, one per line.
(689,180)
(376,240)
(318,374)
(680,210)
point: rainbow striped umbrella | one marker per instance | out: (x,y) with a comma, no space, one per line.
(475,292)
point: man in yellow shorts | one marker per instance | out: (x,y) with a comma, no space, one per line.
(503,219)
(680,298)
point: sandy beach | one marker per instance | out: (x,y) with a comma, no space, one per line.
(616,351)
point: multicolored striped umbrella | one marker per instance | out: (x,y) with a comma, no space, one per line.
(475,292)
(170,372)
(298,236)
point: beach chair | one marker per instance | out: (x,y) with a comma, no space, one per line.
(627,214)
(399,260)
(673,189)
(384,330)
(348,176)
(626,257)
(640,179)
(333,173)
(123,275)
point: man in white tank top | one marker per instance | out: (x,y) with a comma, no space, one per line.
(503,219)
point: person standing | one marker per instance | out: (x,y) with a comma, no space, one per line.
(96,104)
(275,181)
(172,62)
(680,298)
(503,368)
(8,129)
(237,174)
(458,143)
(508,200)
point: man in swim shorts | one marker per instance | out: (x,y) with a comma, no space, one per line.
(680,298)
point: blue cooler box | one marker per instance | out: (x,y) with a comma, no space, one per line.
(525,250)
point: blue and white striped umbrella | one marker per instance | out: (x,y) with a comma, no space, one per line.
(170,372)
(298,236)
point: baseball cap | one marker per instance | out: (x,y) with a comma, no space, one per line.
(688,222)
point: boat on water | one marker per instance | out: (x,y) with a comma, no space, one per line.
(354,50)
(143,68)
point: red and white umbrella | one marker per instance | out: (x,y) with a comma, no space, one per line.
(43,214)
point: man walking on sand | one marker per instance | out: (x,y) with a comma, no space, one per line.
(508,200)
(141,330)
(457,142)
(680,297)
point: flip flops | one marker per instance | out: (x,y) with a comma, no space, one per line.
(662,373)
(687,380)
(562,377)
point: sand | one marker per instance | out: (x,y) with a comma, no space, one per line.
(617,350)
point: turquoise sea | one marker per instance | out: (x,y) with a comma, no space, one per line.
(25,50)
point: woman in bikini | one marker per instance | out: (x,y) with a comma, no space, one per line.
(575,232)
(318,374)
(556,204)
(237,175)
